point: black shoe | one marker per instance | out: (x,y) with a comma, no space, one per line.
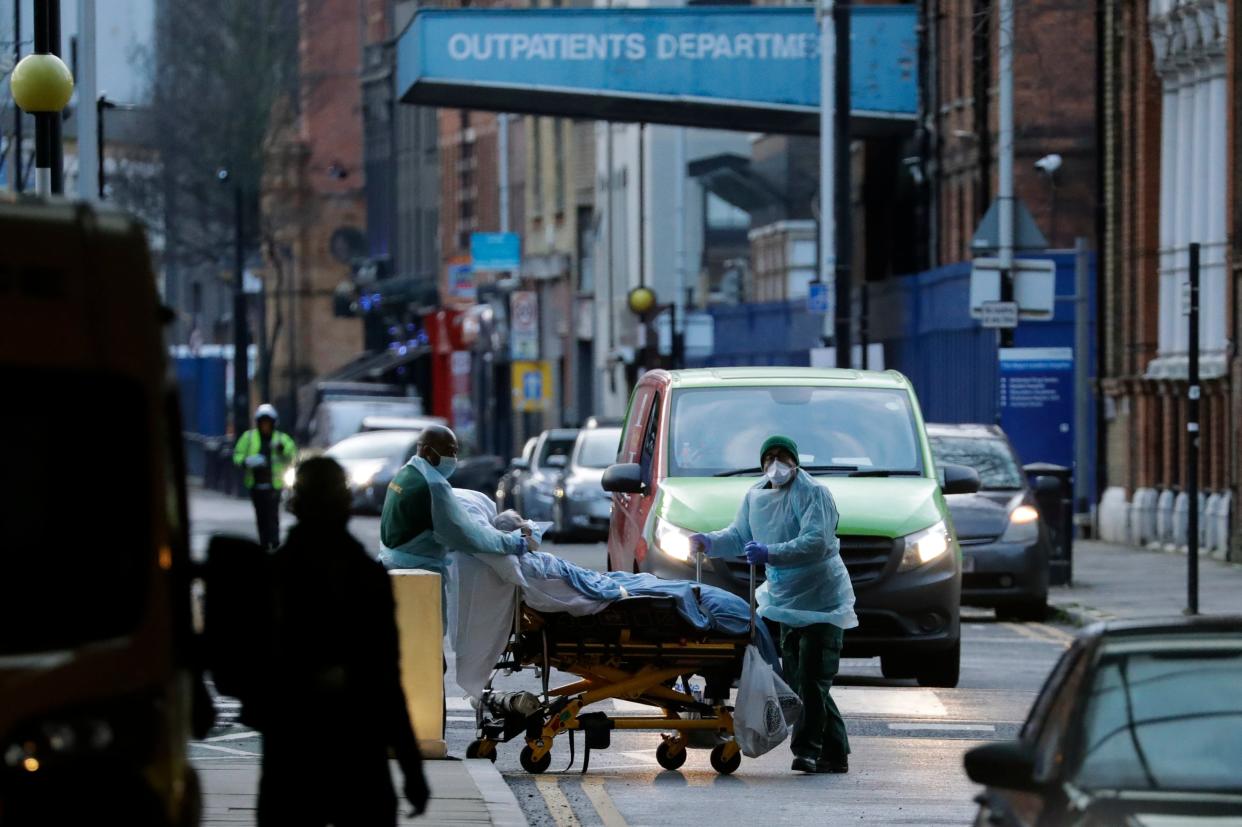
(838,766)
(801,764)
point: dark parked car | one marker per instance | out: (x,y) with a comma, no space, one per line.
(1005,544)
(481,472)
(1140,723)
(371,459)
(582,506)
(507,488)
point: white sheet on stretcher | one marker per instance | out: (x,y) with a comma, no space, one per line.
(485,589)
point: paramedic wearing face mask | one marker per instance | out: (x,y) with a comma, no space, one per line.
(422,519)
(788,522)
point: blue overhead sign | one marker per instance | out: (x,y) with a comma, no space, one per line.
(496,251)
(745,68)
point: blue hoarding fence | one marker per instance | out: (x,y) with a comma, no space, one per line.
(202,383)
(730,67)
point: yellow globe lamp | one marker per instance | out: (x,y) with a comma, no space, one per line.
(642,300)
(41,83)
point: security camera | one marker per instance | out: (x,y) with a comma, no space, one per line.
(1049,164)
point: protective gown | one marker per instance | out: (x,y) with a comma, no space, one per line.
(807,581)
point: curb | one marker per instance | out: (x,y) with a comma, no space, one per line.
(502,804)
(1081,616)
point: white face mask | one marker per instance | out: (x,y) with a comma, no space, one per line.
(447,464)
(779,472)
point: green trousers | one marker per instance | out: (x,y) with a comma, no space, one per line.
(811,656)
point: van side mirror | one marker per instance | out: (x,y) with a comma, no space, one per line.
(519,464)
(959,479)
(1047,485)
(1009,765)
(624,478)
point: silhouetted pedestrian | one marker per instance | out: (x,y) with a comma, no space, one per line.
(332,705)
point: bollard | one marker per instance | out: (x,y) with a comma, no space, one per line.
(421,629)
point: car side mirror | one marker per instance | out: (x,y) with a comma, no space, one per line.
(1047,485)
(519,464)
(1009,765)
(624,478)
(558,461)
(959,479)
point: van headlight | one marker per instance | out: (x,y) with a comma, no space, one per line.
(1023,525)
(673,541)
(924,546)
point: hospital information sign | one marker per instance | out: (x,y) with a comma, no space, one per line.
(756,58)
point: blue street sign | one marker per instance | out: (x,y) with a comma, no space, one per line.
(496,251)
(739,68)
(818,298)
(532,386)
(1037,402)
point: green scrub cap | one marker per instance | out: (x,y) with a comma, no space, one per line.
(778,441)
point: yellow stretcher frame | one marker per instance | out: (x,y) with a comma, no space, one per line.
(602,677)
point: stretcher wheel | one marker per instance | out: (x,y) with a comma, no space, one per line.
(670,762)
(531,765)
(722,765)
(478,749)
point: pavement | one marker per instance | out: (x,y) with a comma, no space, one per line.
(1123,582)
(462,793)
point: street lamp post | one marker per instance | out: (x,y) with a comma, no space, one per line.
(241,337)
(101,106)
(42,85)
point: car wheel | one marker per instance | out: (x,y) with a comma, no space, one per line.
(1031,611)
(896,668)
(941,669)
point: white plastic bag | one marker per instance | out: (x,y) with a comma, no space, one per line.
(766,707)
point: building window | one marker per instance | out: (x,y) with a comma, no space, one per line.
(1189,41)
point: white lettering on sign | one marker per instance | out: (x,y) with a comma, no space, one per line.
(632,46)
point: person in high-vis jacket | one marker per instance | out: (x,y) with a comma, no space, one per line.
(265,454)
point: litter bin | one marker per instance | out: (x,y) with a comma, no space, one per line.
(1054,495)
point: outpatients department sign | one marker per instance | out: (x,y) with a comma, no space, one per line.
(628,63)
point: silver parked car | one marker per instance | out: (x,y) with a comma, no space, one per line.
(536,490)
(583,507)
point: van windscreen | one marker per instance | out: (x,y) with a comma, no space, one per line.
(721,429)
(75,527)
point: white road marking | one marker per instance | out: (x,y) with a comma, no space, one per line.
(559,808)
(469,718)
(633,707)
(937,727)
(233,736)
(229,750)
(593,787)
(458,705)
(894,702)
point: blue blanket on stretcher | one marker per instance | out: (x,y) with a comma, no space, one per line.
(715,609)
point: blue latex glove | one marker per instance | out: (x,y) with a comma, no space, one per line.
(701,543)
(756,553)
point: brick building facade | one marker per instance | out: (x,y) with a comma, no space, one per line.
(314,185)
(1054,112)
(1170,116)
